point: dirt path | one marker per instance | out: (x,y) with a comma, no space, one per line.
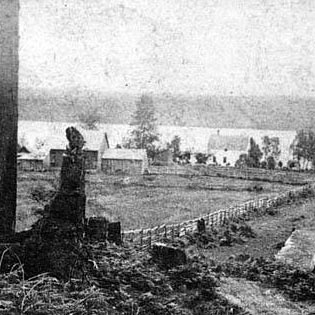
(259,300)
(271,231)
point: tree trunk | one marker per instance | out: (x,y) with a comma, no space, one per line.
(9,38)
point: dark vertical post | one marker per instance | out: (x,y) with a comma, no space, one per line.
(9,39)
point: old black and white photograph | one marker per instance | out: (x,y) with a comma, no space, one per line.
(157,157)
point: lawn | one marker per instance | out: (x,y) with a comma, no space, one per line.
(145,201)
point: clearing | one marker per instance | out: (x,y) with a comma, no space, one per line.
(144,201)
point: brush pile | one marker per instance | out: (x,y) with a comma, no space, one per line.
(119,281)
(298,285)
(235,231)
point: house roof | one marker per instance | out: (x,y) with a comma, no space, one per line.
(29,157)
(125,154)
(231,143)
(93,140)
(23,149)
(53,136)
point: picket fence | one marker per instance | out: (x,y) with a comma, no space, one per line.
(283,176)
(144,238)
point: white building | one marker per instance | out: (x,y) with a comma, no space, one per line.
(226,150)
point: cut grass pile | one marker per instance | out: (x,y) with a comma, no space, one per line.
(123,282)
(145,201)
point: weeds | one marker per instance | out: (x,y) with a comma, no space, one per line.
(298,285)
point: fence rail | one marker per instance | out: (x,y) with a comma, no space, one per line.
(289,177)
(144,238)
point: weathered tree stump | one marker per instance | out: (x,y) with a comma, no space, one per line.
(201,226)
(69,202)
(168,256)
(96,229)
(114,233)
(55,245)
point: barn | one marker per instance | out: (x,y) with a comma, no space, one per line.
(96,144)
(126,161)
(29,162)
(56,156)
(226,149)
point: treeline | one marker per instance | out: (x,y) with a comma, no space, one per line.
(302,147)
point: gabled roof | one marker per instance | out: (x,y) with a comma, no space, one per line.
(29,157)
(125,154)
(54,137)
(231,143)
(23,149)
(93,140)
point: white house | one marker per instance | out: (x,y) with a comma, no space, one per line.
(226,149)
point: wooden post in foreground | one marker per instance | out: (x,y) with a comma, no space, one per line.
(9,39)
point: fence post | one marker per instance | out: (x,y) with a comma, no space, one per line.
(149,237)
(141,237)
(207,219)
(165,231)
(212,220)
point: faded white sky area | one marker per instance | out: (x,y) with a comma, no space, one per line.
(239,47)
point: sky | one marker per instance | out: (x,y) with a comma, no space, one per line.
(190,47)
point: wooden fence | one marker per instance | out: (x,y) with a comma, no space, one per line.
(144,238)
(282,176)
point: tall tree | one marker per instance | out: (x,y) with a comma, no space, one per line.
(254,154)
(9,39)
(174,145)
(252,158)
(144,135)
(271,147)
(303,147)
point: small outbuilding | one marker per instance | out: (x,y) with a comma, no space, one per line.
(96,144)
(29,162)
(126,161)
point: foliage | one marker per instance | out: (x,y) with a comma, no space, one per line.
(47,295)
(174,145)
(235,231)
(243,161)
(120,281)
(254,154)
(270,147)
(201,158)
(271,163)
(303,146)
(252,158)
(144,135)
(90,118)
(293,164)
(263,164)
(296,284)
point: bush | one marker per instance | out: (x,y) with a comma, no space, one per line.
(296,284)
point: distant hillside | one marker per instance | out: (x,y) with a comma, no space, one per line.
(276,113)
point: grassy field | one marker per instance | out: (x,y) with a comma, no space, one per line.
(139,201)
(141,284)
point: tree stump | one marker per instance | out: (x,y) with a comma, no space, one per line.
(56,243)
(69,202)
(168,256)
